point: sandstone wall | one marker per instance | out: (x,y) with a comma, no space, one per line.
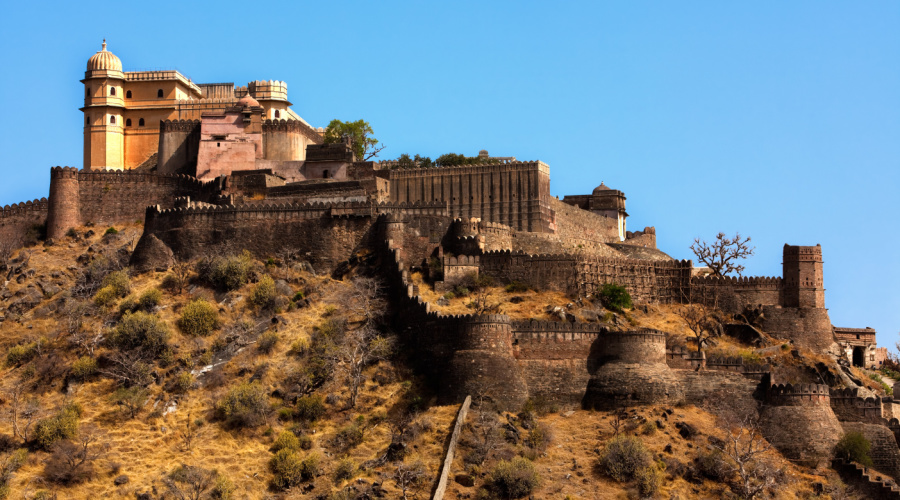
(18,219)
(516,194)
(807,327)
(884,452)
(179,144)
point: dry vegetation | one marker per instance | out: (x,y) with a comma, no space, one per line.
(172,429)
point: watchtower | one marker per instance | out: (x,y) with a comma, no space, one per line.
(104,107)
(803,283)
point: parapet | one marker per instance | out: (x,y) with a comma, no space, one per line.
(178,125)
(742,282)
(63,172)
(798,395)
(848,405)
(23,208)
(802,253)
(292,126)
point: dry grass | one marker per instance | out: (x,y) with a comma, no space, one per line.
(567,468)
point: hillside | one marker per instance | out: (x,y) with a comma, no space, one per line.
(267,359)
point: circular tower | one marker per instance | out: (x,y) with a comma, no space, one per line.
(483,365)
(799,422)
(104,107)
(63,211)
(632,370)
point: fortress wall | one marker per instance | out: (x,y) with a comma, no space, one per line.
(646,281)
(733,294)
(559,381)
(554,340)
(19,218)
(799,422)
(883,451)
(515,194)
(720,390)
(806,326)
(107,197)
(179,144)
(848,406)
(286,140)
(579,226)
(543,243)
(645,238)
(325,192)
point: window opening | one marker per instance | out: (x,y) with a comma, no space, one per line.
(141,122)
(159,93)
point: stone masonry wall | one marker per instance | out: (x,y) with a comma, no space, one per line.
(17,219)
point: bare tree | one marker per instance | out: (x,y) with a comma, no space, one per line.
(25,412)
(723,254)
(7,246)
(130,367)
(486,434)
(133,399)
(410,477)
(181,275)
(72,461)
(745,448)
(191,431)
(702,323)
(360,348)
(189,482)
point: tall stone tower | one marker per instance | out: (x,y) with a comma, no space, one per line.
(803,284)
(104,107)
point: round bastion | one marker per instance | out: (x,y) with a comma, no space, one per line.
(631,370)
(799,422)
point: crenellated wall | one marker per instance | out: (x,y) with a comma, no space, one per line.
(18,219)
(799,422)
(734,294)
(112,197)
(516,194)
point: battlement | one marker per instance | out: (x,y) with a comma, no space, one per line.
(178,125)
(499,165)
(745,282)
(803,253)
(271,89)
(461,260)
(23,208)
(798,395)
(277,125)
(848,405)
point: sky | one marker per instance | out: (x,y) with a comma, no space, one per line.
(780,120)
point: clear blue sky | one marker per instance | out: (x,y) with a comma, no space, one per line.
(777,119)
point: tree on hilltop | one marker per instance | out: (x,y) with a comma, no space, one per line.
(364,145)
(702,323)
(723,254)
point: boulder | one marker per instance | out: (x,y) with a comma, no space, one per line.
(152,254)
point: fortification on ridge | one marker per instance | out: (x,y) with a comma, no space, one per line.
(215,167)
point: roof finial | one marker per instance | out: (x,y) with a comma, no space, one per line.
(104,44)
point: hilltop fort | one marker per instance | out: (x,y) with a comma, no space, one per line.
(209,167)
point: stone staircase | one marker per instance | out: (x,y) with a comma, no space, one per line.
(870,482)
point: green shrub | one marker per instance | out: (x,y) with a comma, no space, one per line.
(111,230)
(267,341)
(648,428)
(140,330)
(84,367)
(349,436)
(245,405)
(648,480)
(105,296)
(298,296)
(62,425)
(290,470)
(149,299)
(119,282)
(514,479)
(713,465)
(516,287)
(539,437)
(228,273)
(184,381)
(287,440)
(198,318)
(23,353)
(345,469)
(223,489)
(615,297)
(482,281)
(310,408)
(461,291)
(299,347)
(263,294)
(623,456)
(855,447)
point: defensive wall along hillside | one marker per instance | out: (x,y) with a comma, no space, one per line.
(110,197)
(17,219)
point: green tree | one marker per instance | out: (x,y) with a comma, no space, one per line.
(364,145)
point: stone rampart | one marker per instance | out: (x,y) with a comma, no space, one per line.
(799,422)
(645,238)
(807,327)
(17,219)
(883,448)
(108,197)
(646,281)
(734,294)
(848,406)
(516,194)
(179,145)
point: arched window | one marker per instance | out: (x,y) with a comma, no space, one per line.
(112,91)
(159,93)
(141,122)
(277,114)
(112,120)
(128,122)
(127,94)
